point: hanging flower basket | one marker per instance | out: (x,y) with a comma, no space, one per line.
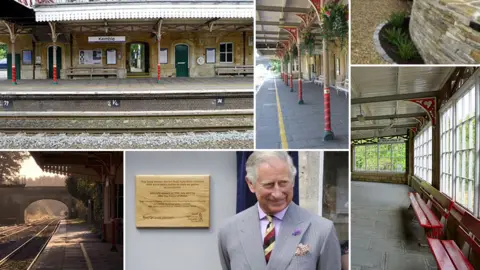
(308,43)
(294,51)
(286,58)
(334,18)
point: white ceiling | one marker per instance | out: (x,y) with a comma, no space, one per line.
(287,18)
(387,81)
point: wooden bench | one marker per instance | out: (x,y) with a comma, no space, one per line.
(234,70)
(425,216)
(447,253)
(96,71)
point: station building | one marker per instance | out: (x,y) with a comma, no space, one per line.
(73,39)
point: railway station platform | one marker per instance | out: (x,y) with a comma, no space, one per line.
(73,246)
(384,235)
(283,123)
(127,86)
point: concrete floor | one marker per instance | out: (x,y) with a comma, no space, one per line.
(385,233)
(131,84)
(303,124)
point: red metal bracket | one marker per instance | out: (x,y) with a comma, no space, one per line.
(304,18)
(286,44)
(414,130)
(429,105)
(317,4)
(293,32)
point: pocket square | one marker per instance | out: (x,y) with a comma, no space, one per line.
(302,250)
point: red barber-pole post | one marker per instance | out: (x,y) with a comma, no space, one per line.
(300,94)
(159,69)
(328,133)
(159,38)
(55,74)
(114,240)
(14,67)
(291,82)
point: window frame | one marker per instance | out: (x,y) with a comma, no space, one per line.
(378,157)
(426,148)
(473,83)
(226,53)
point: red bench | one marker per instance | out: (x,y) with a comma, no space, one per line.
(446,252)
(425,216)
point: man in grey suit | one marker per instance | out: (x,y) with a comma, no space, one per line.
(275,233)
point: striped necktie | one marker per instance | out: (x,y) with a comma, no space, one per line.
(269,240)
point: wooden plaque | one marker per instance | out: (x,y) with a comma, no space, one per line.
(170,201)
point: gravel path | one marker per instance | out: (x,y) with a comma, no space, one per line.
(366,15)
(220,140)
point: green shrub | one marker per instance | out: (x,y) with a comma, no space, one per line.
(393,35)
(406,49)
(397,19)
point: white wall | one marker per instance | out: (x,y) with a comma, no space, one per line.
(179,249)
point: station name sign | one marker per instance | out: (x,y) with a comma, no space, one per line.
(106,39)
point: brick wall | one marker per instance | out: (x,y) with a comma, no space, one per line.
(382,177)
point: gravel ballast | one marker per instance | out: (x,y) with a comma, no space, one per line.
(213,140)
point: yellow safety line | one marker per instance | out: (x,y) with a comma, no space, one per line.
(89,263)
(283,136)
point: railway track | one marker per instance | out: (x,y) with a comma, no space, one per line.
(5,234)
(126,122)
(25,255)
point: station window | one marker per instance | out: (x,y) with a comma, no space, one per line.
(423,154)
(226,52)
(458,148)
(387,157)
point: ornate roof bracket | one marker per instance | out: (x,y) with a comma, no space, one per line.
(429,105)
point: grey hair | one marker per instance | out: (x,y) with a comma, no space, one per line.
(259,157)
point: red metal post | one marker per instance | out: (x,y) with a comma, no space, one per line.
(14,68)
(55,61)
(159,38)
(326,104)
(291,82)
(104,229)
(55,74)
(114,239)
(14,73)
(300,94)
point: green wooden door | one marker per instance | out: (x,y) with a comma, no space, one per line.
(17,65)
(181,60)
(50,62)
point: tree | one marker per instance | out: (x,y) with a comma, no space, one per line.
(80,189)
(3,51)
(275,65)
(10,164)
(84,191)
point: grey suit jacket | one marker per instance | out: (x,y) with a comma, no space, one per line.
(241,248)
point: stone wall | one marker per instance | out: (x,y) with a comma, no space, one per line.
(336,55)
(440,30)
(382,177)
(326,187)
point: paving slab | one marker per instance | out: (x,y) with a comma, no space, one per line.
(74,246)
(130,85)
(303,124)
(385,235)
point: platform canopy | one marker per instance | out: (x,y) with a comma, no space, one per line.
(271,15)
(89,165)
(126,10)
(16,12)
(380,106)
